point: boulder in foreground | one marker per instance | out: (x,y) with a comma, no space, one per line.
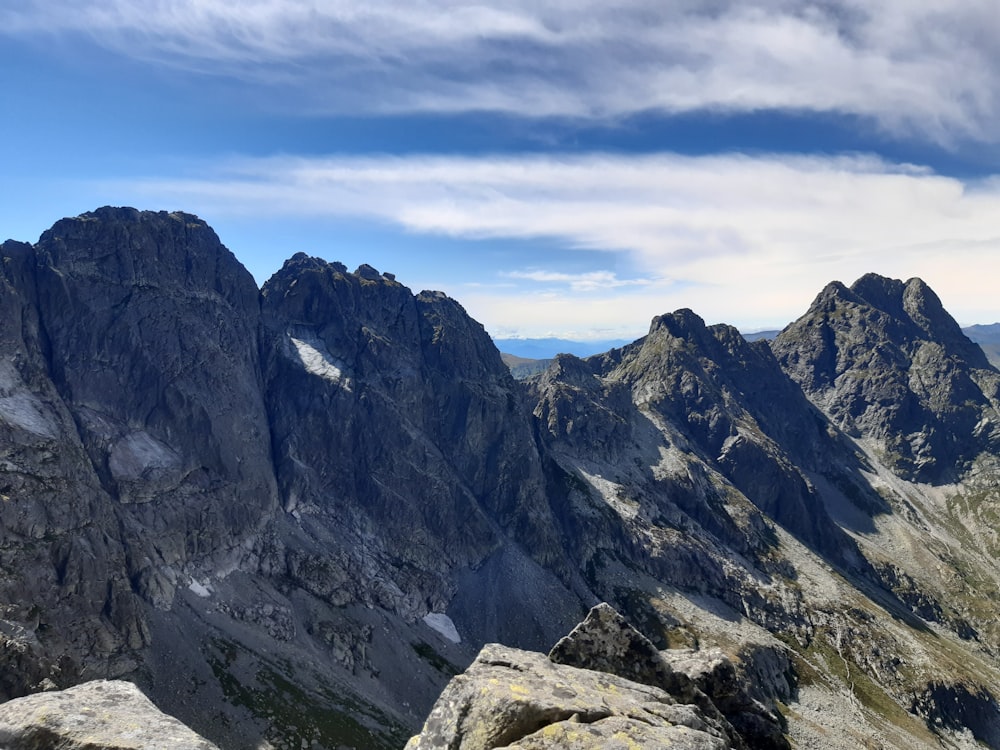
(521,699)
(605,685)
(98,715)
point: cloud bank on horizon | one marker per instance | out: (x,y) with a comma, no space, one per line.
(599,164)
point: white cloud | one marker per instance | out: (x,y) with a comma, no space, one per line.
(924,68)
(591,281)
(739,239)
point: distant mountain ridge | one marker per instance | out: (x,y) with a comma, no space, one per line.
(988,337)
(293,513)
(532,355)
(547,348)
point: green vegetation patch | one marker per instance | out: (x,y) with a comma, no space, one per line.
(300,719)
(822,663)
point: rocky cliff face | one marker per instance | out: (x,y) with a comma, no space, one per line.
(293,514)
(888,364)
(402,446)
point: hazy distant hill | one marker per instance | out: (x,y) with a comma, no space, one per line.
(988,338)
(522,367)
(758,335)
(528,356)
(549,347)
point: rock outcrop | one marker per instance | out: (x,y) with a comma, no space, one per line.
(707,679)
(394,412)
(513,698)
(603,685)
(99,715)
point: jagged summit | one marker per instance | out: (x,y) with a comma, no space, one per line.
(886,362)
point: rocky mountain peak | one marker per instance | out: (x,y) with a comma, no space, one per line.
(886,362)
(881,292)
(680,323)
(915,305)
(145,249)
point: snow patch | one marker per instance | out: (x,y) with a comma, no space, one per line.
(440,622)
(201,589)
(9,379)
(317,360)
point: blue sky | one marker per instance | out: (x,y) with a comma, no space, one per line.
(561,168)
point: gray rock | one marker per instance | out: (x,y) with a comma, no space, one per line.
(99,715)
(512,698)
(715,675)
(884,360)
(403,448)
(248,500)
(605,642)
(151,327)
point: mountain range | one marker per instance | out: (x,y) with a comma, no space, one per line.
(526,357)
(292,514)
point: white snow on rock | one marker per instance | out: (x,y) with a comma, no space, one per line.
(201,589)
(441,623)
(25,411)
(313,355)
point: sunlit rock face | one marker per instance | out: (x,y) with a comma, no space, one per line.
(98,715)
(887,363)
(603,685)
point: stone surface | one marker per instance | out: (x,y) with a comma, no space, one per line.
(713,674)
(886,361)
(512,698)
(99,715)
(606,642)
(394,412)
(151,327)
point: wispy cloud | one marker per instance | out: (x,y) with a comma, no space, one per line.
(740,239)
(913,67)
(590,281)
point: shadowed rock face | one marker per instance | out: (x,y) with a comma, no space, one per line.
(401,441)
(707,679)
(63,560)
(886,362)
(99,715)
(151,327)
(605,642)
(151,417)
